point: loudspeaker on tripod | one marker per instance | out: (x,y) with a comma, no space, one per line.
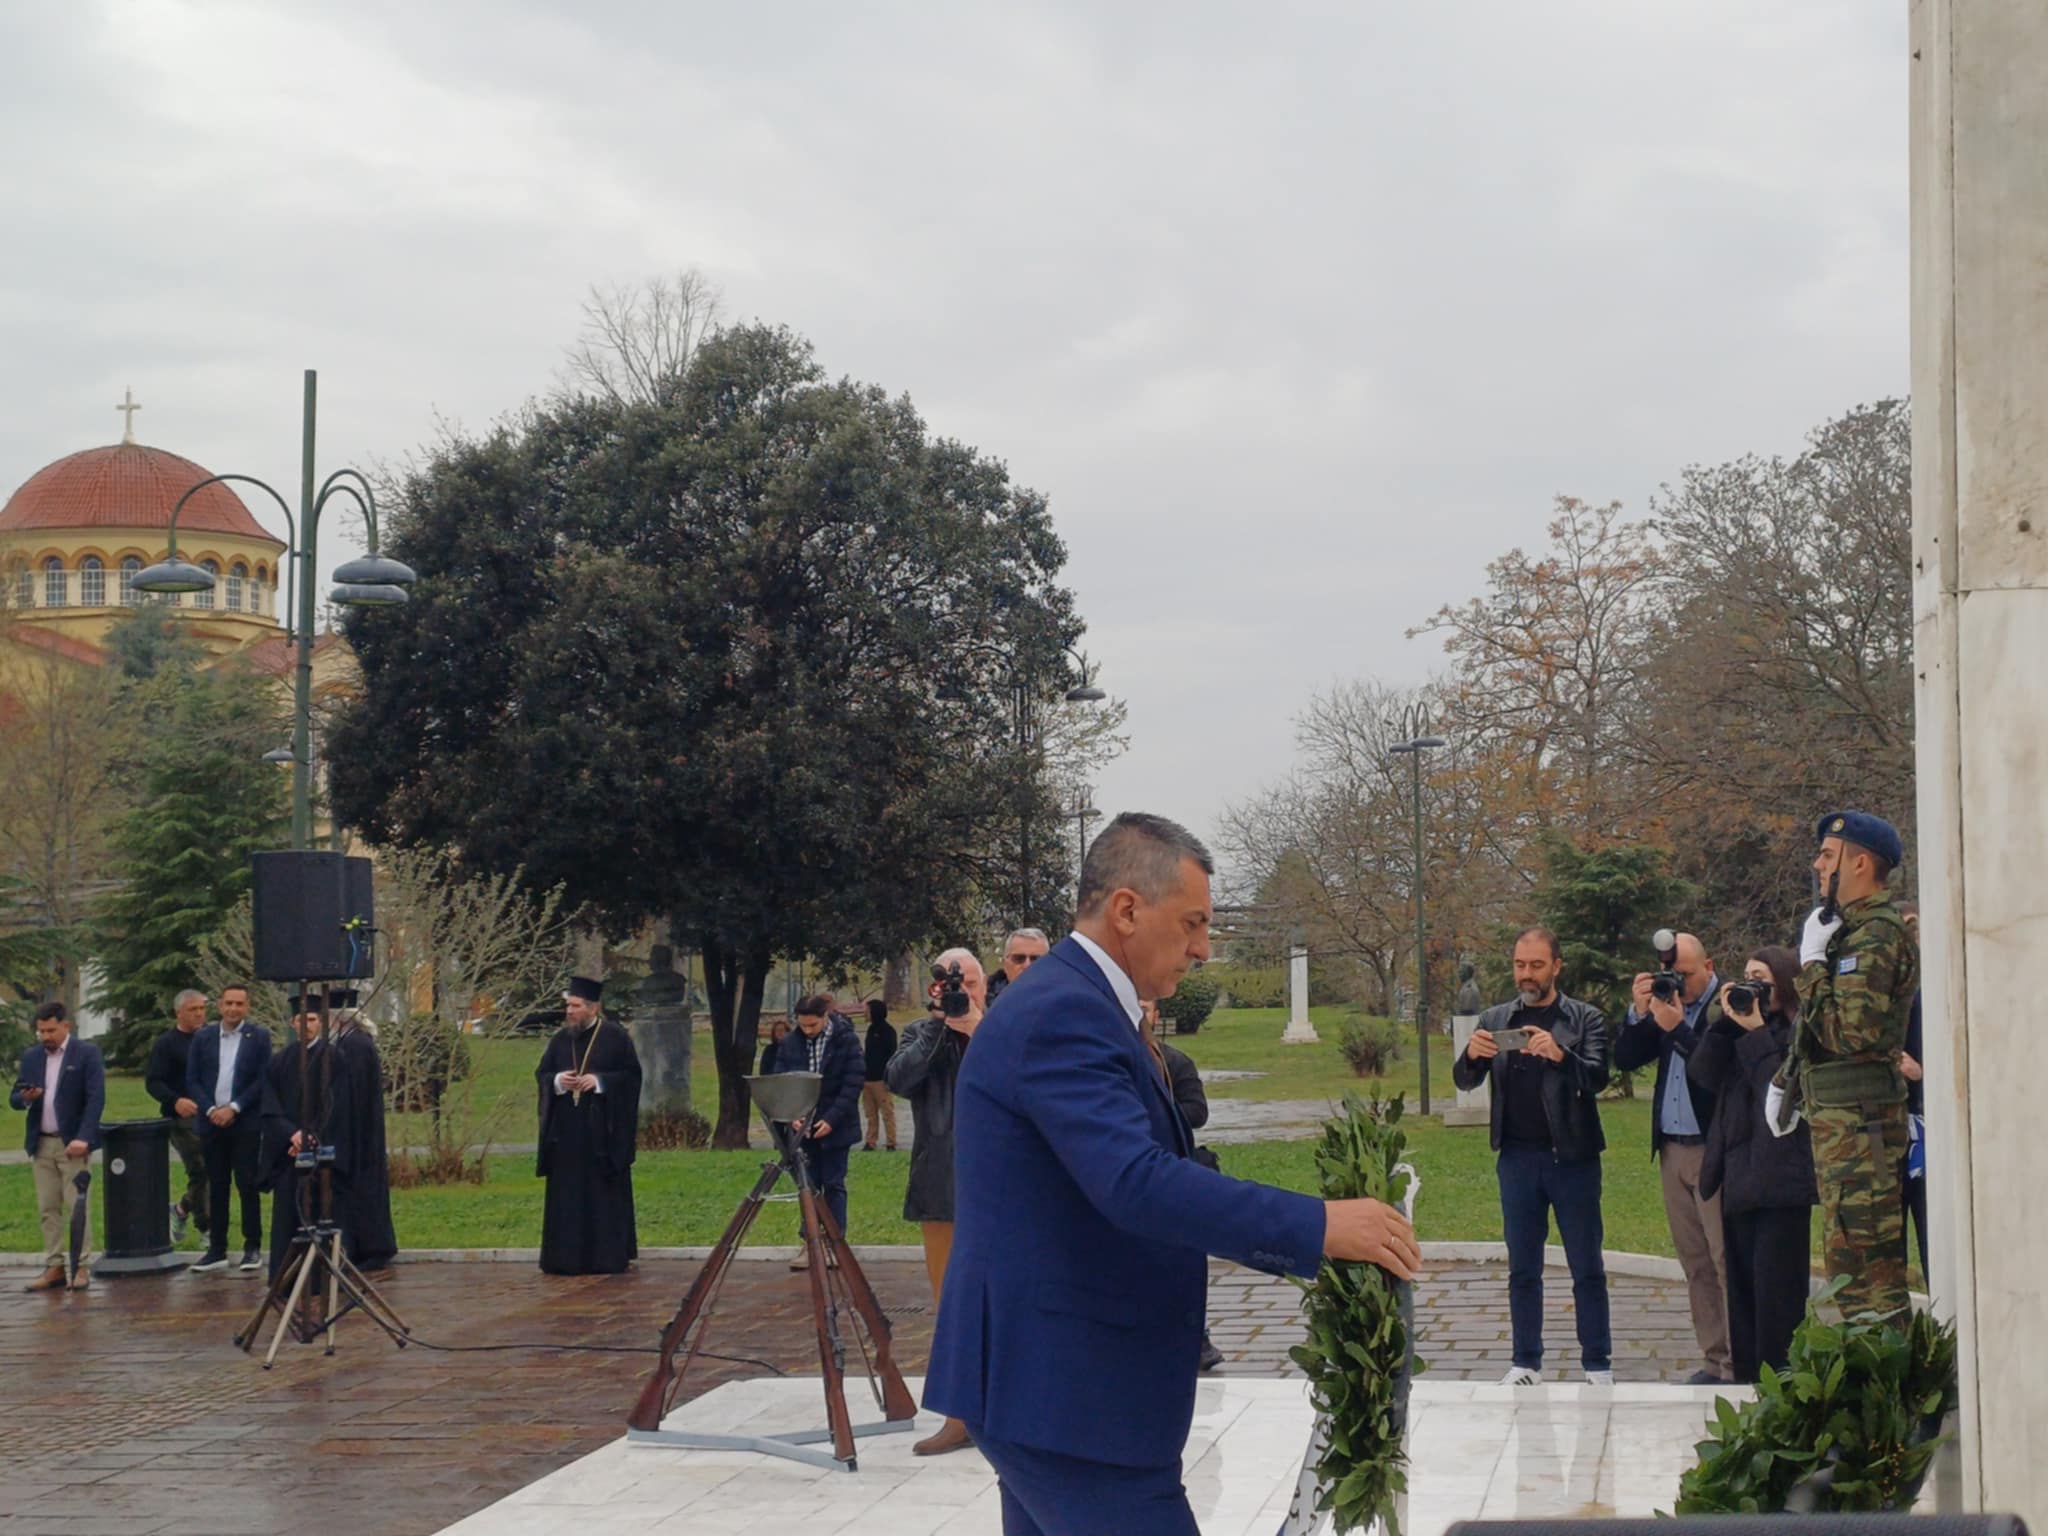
(313,916)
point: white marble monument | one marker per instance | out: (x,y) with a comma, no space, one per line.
(1299,1031)
(1979,144)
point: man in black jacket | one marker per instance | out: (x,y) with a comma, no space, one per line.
(828,1046)
(1546,1130)
(1184,1079)
(224,1078)
(169,1059)
(875,1096)
(1667,1031)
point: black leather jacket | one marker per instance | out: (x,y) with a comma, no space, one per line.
(1571,1088)
(924,1070)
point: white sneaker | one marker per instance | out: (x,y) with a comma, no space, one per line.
(1599,1378)
(1522,1376)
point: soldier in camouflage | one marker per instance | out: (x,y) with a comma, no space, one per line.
(1859,970)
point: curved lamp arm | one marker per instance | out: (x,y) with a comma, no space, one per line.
(291,527)
(365,498)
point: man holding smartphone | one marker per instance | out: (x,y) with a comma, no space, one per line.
(1546,1056)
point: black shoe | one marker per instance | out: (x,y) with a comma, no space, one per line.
(251,1259)
(212,1259)
(1705,1378)
(1211,1355)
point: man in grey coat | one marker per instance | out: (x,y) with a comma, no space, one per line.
(923,1070)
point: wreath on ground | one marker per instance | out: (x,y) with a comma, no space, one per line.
(1359,1354)
(1851,1424)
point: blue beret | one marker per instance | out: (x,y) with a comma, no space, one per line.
(1865,831)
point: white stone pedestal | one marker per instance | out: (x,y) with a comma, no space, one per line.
(1299,1030)
(1475,1105)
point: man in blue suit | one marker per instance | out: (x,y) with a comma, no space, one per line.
(224,1077)
(1071,1322)
(63,1085)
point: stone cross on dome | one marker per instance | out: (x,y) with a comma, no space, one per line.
(128,408)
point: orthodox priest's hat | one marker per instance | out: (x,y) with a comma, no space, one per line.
(586,989)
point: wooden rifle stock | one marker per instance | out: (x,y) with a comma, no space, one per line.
(647,1413)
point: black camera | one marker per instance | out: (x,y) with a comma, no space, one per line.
(949,991)
(1747,995)
(1666,985)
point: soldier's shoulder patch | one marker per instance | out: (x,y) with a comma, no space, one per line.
(1846,966)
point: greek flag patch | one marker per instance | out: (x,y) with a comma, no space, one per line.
(1846,967)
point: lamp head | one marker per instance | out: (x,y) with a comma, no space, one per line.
(374,570)
(366,594)
(173,575)
(1087,695)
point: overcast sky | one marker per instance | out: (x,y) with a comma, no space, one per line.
(1299,313)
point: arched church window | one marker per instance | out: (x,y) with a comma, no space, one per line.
(238,573)
(205,599)
(130,564)
(55,592)
(92,582)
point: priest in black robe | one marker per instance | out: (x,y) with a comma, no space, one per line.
(362,1173)
(589,1080)
(344,1106)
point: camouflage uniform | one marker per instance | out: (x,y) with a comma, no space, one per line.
(1853,1009)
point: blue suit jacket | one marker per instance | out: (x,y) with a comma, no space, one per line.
(203,1068)
(1072,1314)
(81,1093)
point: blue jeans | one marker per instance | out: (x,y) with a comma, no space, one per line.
(1533,1183)
(828,1173)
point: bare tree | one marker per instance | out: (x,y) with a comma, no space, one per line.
(637,341)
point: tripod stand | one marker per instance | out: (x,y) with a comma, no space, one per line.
(316,1254)
(836,1281)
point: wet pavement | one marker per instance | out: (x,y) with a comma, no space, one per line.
(136,1414)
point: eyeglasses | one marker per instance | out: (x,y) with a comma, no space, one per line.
(1024,959)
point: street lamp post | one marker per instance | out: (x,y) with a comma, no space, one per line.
(1086,693)
(1413,723)
(372,581)
(1084,812)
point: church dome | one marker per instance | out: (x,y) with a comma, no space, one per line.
(127,485)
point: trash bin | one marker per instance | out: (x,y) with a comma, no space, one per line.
(135,1211)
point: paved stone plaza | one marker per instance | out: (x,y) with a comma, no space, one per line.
(147,1420)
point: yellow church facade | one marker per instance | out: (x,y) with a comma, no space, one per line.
(76,532)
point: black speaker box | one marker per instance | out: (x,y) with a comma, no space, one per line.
(313,916)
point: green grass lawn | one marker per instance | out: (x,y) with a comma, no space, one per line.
(687,1197)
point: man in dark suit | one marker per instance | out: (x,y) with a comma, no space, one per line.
(225,1079)
(63,1085)
(1068,1334)
(826,1045)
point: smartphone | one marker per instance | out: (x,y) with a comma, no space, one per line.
(1511,1039)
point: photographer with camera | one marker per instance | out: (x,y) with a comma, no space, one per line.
(1547,1059)
(1763,1183)
(926,1070)
(829,1047)
(1673,1008)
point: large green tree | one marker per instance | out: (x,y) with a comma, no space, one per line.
(200,801)
(734,655)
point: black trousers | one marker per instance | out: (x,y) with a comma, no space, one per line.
(1769,1254)
(232,1157)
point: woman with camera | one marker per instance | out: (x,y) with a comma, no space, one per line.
(1766,1182)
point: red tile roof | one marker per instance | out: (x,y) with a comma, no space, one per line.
(127,486)
(36,638)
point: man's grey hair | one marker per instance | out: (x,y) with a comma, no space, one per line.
(1036,935)
(1138,852)
(189,995)
(965,958)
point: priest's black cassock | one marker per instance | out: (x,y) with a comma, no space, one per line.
(345,1083)
(362,1173)
(586,1152)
